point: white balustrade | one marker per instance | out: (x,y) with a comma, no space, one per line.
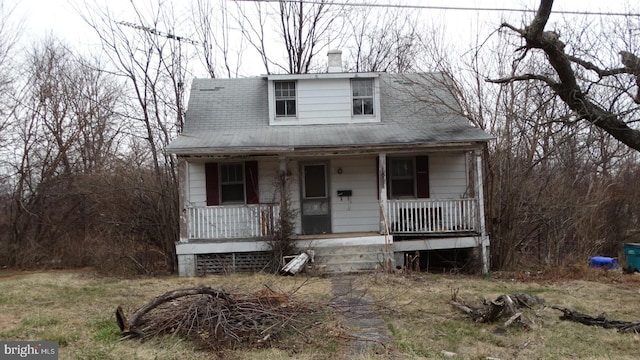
(422,216)
(231,221)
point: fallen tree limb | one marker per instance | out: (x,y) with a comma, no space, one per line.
(601,321)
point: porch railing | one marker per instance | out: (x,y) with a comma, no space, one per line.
(432,216)
(231,221)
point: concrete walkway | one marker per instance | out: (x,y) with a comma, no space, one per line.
(368,332)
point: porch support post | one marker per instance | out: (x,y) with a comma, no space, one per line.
(282,178)
(484,238)
(384,226)
(382,190)
(183,188)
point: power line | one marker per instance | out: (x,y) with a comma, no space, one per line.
(434,7)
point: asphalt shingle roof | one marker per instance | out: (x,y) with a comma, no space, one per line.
(231,115)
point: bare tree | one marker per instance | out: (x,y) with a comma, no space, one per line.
(9,32)
(215,32)
(152,63)
(384,42)
(61,130)
(552,182)
(302,29)
(576,79)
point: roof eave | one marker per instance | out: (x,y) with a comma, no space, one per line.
(329,150)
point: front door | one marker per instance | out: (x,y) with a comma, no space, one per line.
(316,214)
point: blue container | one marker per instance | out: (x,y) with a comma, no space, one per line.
(603,261)
(632,253)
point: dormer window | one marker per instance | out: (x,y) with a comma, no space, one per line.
(285,95)
(362,91)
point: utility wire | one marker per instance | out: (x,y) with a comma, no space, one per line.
(433,7)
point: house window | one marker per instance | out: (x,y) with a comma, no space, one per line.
(231,183)
(402,177)
(285,93)
(362,91)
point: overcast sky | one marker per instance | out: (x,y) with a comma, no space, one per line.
(59,17)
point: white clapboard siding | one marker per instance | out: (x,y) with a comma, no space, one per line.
(326,101)
(447,175)
(360,212)
(197,191)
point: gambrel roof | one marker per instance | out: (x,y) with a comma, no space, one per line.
(230,116)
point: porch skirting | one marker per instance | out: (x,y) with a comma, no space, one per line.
(238,256)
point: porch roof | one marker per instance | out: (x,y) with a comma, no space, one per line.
(231,116)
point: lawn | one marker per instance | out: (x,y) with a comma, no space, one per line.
(76,309)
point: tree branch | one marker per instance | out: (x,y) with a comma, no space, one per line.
(567,88)
(541,18)
(591,66)
(524,77)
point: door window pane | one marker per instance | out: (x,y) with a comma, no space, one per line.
(314,181)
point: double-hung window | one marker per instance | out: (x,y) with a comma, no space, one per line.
(232,183)
(362,96)
(285,94)
(402,177)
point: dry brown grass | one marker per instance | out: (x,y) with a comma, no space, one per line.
(76,309)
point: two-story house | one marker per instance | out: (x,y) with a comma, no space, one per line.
(377,166)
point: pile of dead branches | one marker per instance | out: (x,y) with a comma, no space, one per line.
(503,307)
(215,318)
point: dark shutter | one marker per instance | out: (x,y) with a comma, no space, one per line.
(251,182)
(211,181)
(422,177)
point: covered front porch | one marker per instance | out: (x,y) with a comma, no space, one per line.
(364,207)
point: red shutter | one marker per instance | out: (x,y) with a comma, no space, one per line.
(422,176)
(211,181)
(251,182)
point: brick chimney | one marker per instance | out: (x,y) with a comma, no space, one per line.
(334,61)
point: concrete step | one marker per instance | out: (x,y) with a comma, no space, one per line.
(351,249)
(343,268)
(346,259)
(353,257)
